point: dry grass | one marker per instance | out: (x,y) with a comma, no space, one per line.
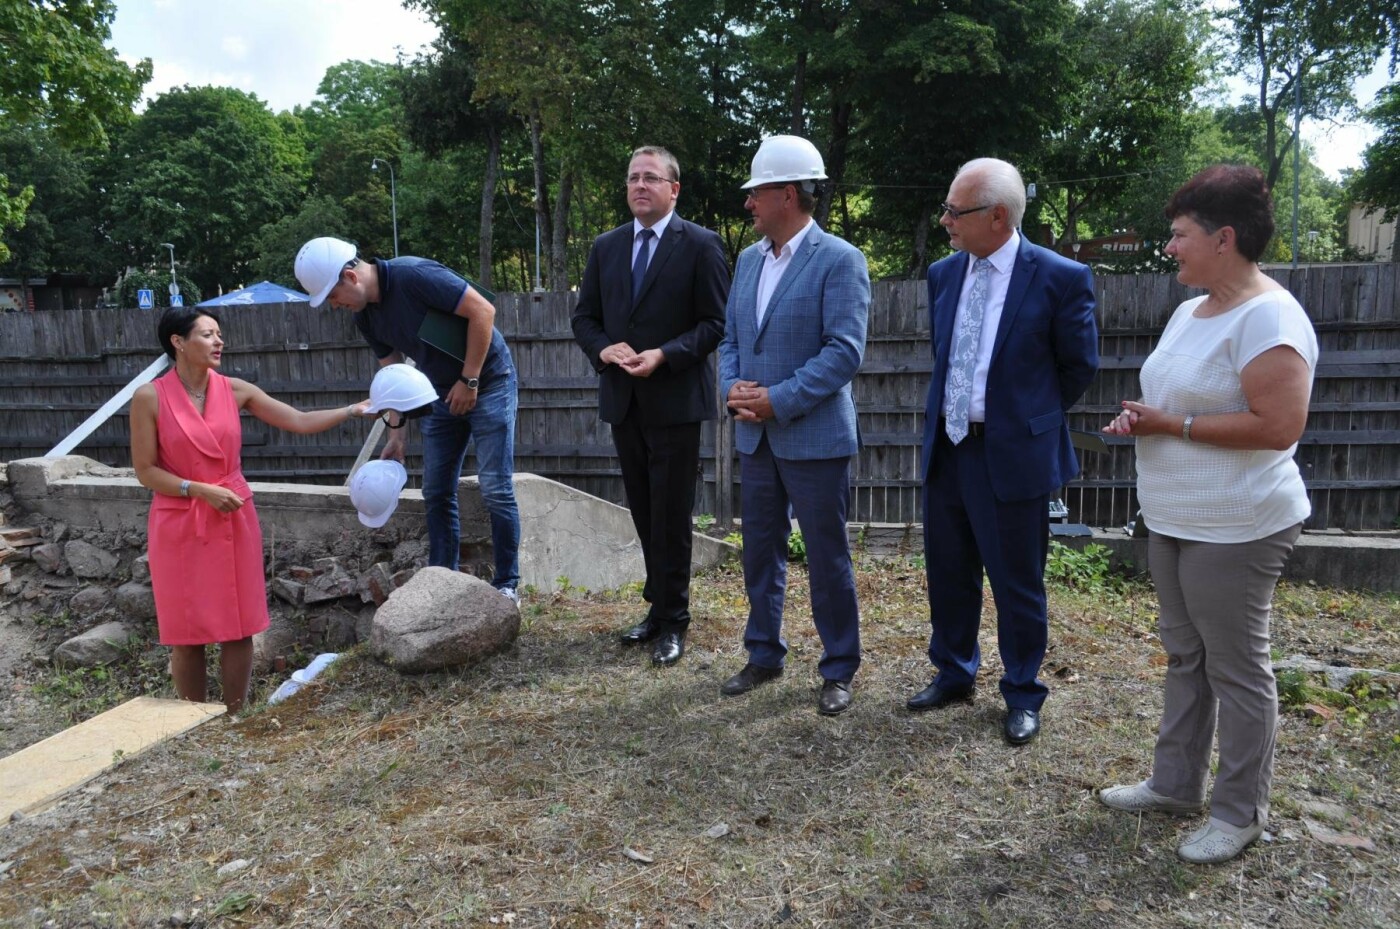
(570,784)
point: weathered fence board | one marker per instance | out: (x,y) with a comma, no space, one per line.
(57,367)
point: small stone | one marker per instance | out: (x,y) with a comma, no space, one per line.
(233,867)
(300,573)
(48,557)
(717,831)
(287,590)
(177,919)
(136,601)
(90,601)
(1328,836)
(141,569)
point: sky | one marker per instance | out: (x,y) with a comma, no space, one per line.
(280,50)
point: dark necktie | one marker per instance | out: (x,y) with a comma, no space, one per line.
(639,267)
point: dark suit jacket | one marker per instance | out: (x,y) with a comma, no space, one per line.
(680,310)
(1045,354)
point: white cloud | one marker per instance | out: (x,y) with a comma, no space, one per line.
(276,49)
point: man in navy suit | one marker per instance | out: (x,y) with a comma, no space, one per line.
(650,311)
(794,336)
(1014,345)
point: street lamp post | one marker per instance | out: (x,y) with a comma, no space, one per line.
(393,198)
(174,285)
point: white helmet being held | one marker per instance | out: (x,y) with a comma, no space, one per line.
(783,159)
(403,389)
(319,264)
(374,489)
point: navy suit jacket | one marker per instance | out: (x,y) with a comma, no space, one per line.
(1045,354)
(680,310)
(807,350)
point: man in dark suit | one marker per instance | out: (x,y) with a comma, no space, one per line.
(1014,344)
(650,311)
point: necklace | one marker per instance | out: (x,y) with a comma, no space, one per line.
(195,395)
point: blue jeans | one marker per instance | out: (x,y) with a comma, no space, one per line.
(491,424)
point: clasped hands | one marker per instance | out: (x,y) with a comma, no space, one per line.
(637,364)
(749,402)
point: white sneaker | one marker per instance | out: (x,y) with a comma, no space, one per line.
(1218,841)
(1139,798)
(510,594)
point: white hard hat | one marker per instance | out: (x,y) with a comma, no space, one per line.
(319,264)
(374,490)
(402,388)
(784,158)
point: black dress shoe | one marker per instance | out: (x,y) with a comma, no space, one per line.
(669,648)
(1021,726)
(644,631)
(936,695)
(835,698)
(749,678)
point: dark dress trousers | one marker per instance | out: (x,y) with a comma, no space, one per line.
(656,420)
(986,499)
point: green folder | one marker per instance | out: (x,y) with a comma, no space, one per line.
(447,332)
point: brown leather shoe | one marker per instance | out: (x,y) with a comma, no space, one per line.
(750,677)
(835,698)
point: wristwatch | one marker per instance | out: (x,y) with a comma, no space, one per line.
(472,382)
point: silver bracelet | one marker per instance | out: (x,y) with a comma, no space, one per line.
(1186,426)
(184,488)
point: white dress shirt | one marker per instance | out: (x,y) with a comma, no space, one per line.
(659,228)
(775,265)
(998,282)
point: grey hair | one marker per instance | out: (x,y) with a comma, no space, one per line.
(998,183)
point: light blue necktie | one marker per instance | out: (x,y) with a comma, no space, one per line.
(639,266)
(957,390)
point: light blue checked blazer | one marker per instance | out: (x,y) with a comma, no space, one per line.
(806,352)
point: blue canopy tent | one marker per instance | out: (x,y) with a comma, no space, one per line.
(262,292)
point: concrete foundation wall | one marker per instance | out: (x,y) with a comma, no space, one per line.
(1328,559)
(565,533)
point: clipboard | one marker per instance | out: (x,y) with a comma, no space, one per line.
(447,332)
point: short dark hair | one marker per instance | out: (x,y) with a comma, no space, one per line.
(1229,195)
(179,320)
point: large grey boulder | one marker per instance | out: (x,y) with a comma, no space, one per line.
(442,619)
(98,646)
(90,601)
(87,560)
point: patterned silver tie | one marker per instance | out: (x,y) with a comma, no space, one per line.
(957,391)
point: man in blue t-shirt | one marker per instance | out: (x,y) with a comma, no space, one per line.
(476,394)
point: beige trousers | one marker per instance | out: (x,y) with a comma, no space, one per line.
(1214,601)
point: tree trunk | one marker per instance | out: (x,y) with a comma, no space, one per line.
(488,203)
(835,162)
(541,192)
(797,104)
(919,259)
(559,244)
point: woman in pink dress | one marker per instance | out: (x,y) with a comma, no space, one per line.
(204,543)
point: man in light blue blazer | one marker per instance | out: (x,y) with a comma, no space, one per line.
(1014,346)
(793,340)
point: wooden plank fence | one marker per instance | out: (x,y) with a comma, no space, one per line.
(57,367)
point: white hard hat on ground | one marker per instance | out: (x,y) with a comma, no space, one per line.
(319,264)
(375,490)
(782,159)
(402,388)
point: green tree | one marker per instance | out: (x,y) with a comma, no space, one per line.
(204,168)
(1377,184)
(60,75)
(277,242)
(1122,122)
(1324,44)
(58,233)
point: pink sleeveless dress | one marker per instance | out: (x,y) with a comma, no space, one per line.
(206,566)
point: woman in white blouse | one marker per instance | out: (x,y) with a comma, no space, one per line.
(1225,398)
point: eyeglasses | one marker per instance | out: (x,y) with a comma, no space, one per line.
(959,214)
(650,180)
